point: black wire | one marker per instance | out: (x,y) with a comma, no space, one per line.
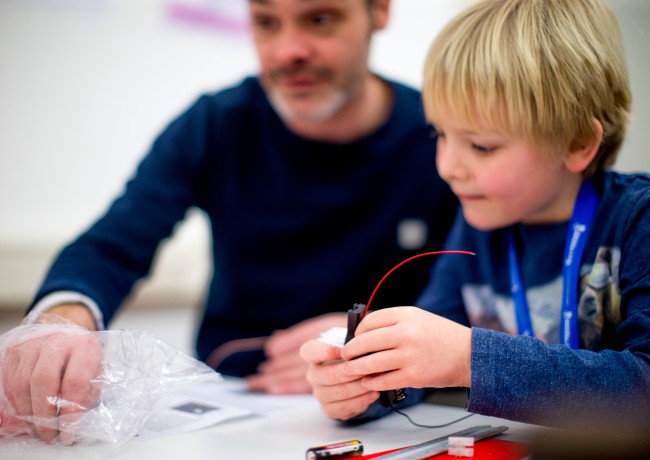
(428,426)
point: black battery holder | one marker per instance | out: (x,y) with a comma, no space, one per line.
(387,398)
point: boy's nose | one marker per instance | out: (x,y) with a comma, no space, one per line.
(450,164)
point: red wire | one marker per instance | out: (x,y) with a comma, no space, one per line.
(435,253)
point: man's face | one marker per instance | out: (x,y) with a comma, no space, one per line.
(313,54)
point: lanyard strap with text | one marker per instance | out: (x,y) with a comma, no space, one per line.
(579,225)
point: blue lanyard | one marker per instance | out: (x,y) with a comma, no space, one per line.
(579,226)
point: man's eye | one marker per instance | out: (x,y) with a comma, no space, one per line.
(322,20)
(436,133)
(264,22)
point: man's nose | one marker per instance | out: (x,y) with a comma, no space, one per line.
(293,46)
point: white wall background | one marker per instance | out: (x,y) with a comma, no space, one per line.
(85,85)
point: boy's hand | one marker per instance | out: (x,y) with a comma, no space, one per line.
(342,396)
(284,372)
(409,347)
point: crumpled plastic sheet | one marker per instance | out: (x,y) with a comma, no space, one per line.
(137,369)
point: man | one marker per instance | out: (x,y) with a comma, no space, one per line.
(317,177)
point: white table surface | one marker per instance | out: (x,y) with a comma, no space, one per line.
(285,437)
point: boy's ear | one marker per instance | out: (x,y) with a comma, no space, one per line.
(582,151)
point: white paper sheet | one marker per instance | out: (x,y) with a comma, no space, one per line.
(188,410)
(209,403)
(233,391)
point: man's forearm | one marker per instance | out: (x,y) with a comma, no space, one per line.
(74,312)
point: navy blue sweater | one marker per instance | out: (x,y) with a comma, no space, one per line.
(299,228)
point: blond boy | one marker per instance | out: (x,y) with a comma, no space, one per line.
(550,322)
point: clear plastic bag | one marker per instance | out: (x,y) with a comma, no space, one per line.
(134,370)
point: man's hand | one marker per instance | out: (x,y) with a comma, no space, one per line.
(48,371)
(341,396)
(284,372)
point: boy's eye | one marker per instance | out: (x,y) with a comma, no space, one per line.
(483,148)
(437,133)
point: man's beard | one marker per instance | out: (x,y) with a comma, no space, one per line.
(325,108)
(323,111)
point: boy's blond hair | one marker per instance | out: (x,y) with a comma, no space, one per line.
(540,70)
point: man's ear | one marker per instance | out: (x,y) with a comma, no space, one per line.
(380,11)
(582,151)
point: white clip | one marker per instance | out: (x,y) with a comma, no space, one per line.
(460,446)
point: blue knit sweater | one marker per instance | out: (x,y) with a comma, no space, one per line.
(299,228)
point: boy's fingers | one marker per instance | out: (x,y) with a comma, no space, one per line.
(329,374)
(379,319)
(372,341)
(352,407)
(315,351)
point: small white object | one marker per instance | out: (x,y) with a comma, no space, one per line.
(334,336)
(460,446)
(461,451)
(460,441)
(412,234)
